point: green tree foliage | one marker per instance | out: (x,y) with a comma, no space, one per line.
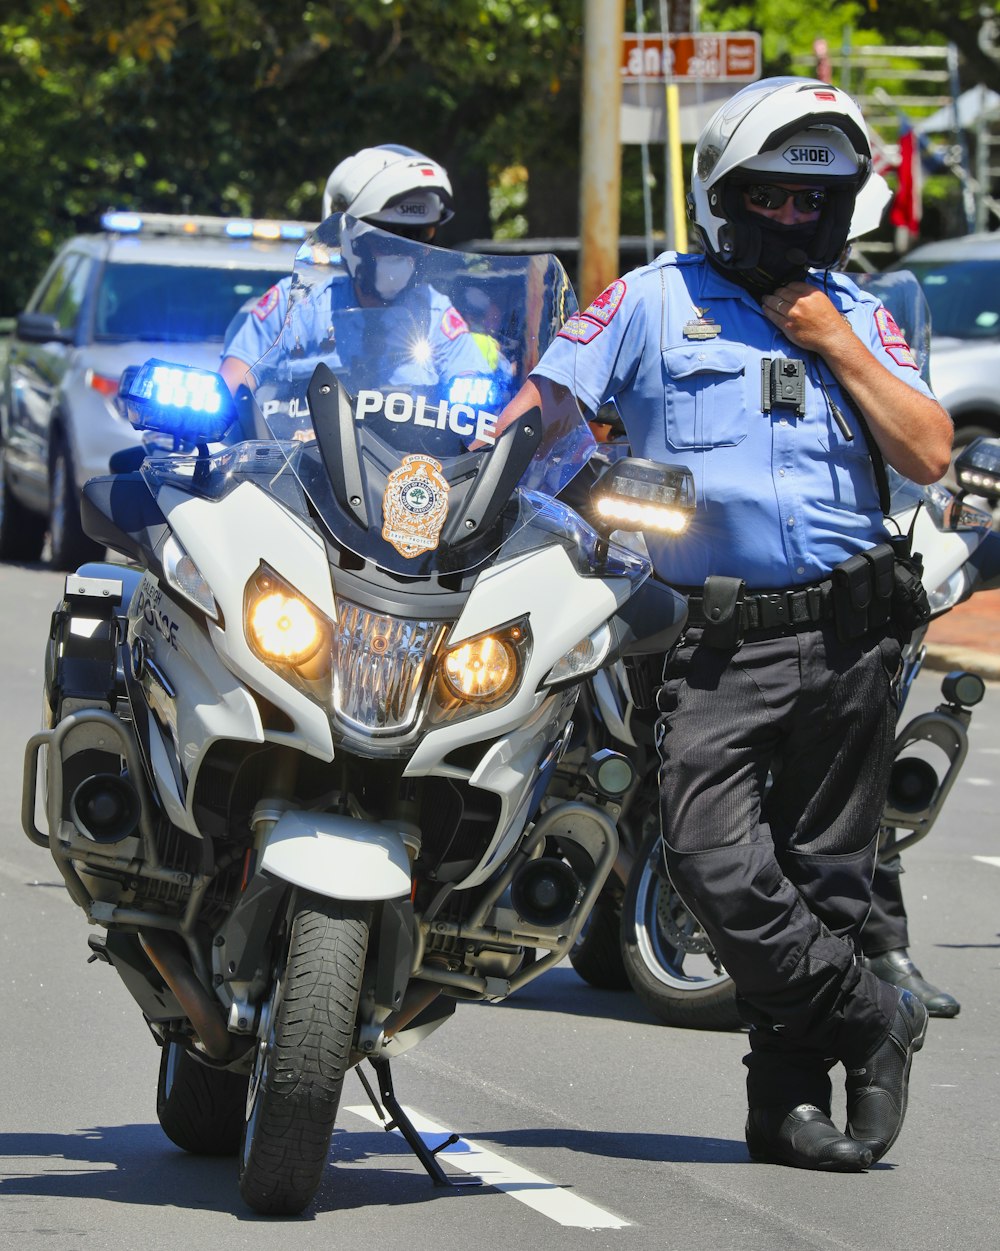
(244,106)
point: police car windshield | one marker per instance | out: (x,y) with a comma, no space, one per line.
(172,303)
(424,349)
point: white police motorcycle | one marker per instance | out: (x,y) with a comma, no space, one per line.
(296,746)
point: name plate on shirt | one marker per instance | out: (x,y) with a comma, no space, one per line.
(701,328)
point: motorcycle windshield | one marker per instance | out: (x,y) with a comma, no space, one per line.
(386,387)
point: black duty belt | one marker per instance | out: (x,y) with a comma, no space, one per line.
(769,610)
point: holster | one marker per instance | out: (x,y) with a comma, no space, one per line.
(883,565)
(721,600)
(852,597)
(910,606)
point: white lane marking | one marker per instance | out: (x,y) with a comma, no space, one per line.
(994,860)
(979,781)
(543,1196)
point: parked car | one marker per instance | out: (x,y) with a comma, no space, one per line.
(961,280)
(149,285)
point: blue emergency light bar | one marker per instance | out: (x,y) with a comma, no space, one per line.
(192,404)
(122,222)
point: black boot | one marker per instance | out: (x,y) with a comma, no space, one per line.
(897,968)
(803,1137)
(877,1088)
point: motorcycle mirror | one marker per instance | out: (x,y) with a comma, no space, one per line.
(193,405)
(635,494)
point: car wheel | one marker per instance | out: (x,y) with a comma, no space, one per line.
(22,532)
(70,546)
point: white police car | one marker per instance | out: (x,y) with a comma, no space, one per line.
(150,285)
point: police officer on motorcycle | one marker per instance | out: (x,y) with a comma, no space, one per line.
(391,194)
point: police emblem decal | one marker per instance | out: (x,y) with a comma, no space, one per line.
(414,506)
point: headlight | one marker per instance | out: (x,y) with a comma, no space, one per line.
(484,669)
(481,672)
(282,626)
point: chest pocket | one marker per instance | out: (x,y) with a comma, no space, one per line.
(705,395)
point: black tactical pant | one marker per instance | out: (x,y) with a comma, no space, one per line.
(886,928)
(775,761)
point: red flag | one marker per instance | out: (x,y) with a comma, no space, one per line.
(907,204)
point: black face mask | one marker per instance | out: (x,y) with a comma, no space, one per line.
(784,254)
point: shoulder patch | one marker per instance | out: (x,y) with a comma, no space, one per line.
(266,305)
(607,303)
(892,338)
(580,329)
(453,323)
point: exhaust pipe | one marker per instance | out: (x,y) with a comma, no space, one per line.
(198,1005)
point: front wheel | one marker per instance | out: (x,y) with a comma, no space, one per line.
(668,957)
(596,956)
(199,1108)
(304,1045)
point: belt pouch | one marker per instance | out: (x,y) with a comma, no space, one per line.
(721,599)
(852,596)
(882,560)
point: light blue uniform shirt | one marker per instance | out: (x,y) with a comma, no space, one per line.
(780,499)
(421,309)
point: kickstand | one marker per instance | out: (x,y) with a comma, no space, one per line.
(405,1126)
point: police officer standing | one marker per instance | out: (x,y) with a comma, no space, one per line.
(779,384)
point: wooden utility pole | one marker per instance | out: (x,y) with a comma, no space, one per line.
(600,145)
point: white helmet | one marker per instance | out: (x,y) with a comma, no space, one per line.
(795,130)
(391,186)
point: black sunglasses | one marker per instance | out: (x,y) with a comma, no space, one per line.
(766,195)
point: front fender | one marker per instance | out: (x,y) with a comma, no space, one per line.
(338,857)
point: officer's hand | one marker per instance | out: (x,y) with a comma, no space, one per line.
(805,316)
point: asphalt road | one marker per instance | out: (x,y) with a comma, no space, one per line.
(597,1127)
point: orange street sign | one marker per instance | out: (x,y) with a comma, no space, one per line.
(691,58)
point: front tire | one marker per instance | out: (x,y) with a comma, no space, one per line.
(302,1055)
(668,957)
(199,1108)
(596,956)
